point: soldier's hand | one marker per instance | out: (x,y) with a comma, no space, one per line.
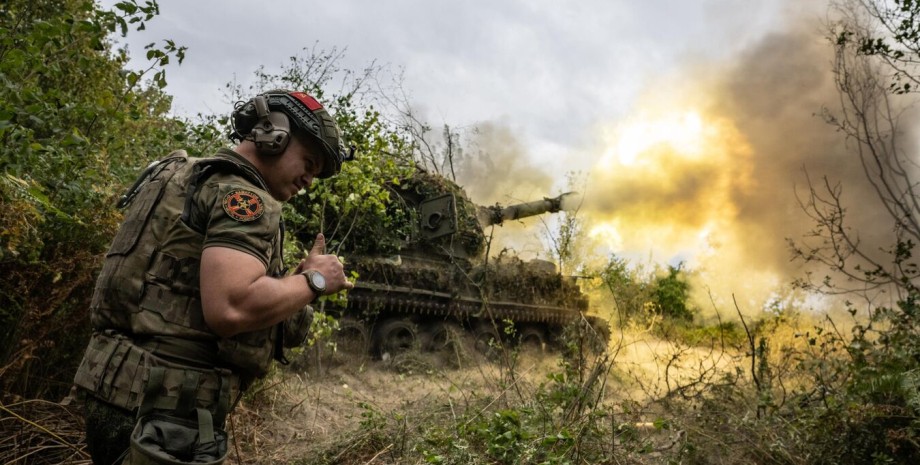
(329,265)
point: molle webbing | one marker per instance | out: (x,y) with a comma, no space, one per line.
(148,191)
(199,354)
(181,275)
(186,403)
(119,372)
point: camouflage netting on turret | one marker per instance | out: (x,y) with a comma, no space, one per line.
(469,236)
(360,231)
(404,273)
(508,278)
(396,229)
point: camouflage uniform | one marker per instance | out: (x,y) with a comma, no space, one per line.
(146,310)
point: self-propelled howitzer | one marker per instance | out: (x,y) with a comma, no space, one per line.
(434,281)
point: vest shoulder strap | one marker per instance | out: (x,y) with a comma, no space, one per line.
(151,171)
(204,169)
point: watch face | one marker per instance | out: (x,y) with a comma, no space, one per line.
(318,280)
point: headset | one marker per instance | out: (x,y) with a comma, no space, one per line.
(269,130)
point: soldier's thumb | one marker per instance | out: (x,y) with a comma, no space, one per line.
(319,246)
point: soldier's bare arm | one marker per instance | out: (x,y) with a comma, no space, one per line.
(237,296)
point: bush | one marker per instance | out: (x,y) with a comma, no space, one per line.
(74,129)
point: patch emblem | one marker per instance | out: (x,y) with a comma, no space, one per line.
(243,205)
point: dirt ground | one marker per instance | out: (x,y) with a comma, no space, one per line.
(327,409)
(311,410)
(307,410)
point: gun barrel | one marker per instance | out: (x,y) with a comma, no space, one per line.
(498,214)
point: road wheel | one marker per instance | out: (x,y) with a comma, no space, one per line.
(532,340)
(487,340)
(396,336)
(444,339)
(352,337)
(349,344)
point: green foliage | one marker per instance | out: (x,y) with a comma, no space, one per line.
(561,421)
(75,127)
(672,295)
(642,297)
(858,405)
(897,42)
(629,289)
(558,418)
(22,219)
(827,396)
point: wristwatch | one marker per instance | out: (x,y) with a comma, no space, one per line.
(316,281)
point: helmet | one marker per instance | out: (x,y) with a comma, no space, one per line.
(267,118)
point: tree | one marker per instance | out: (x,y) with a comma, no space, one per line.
(629,290)
(351,209)
(438,153)
(875,68)
(562,241)
(672,295)
(872,408)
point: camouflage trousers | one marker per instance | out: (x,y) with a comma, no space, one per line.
(108,431)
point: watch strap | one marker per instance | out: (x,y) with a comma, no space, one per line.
(310,276)
(316,292)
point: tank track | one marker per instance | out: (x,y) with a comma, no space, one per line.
(371,297)
(404,317)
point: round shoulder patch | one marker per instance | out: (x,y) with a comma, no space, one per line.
(243,205)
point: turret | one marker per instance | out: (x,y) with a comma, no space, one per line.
(443,215)
(430,217)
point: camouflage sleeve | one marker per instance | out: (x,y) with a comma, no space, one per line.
(241,217)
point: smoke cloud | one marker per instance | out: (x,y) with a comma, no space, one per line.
(708,170)
(498,170)
(719,185)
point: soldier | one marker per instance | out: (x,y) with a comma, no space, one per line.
(192,303)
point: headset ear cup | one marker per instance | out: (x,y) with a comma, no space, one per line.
(243,121)
(272,133)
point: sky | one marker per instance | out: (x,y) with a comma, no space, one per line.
(549,70)
(689,126)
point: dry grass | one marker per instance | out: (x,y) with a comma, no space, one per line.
(345,413)
(41,432)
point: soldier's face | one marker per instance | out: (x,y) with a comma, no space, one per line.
(293,170)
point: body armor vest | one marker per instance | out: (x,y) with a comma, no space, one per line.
(149,285)
(151,350)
